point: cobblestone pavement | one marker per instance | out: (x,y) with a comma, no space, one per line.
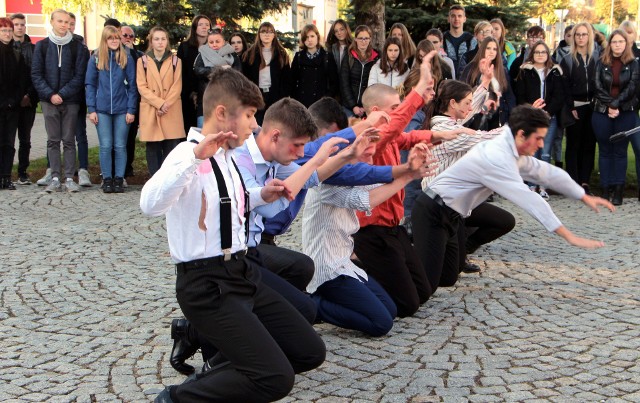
(87,294)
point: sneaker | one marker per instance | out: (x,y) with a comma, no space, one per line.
(124,183)
(543,193)
(46,179)
(53,186)
(84,179)
(71,186)
(23,180)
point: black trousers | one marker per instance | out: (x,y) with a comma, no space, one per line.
(157,151)
(263,339)
(8,127)
(26,117)
(490,223)
(580,153)
(438,236)
(388,256)
(294,267)
(300,301)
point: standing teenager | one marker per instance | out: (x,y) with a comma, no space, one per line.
(310,69)
(159,78)
(355,69)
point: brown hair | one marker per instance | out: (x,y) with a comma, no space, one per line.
(456,7)
(450,89)
(192,39)
(627,54)
(291,117)
(230,88)
(158,29)
(548,64)
(103,49)
(17,16)
(498,67)
(400,64)
(407,45)
(279,53)
(354,44)
(503,33)
(331,35)
(426,46)
(305,32)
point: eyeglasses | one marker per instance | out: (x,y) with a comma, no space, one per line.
(577,35)
(486,32)
(6,31)
(540,52)
(268,32)
(130,36)
(363,39)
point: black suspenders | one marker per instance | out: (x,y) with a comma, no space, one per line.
(225,207)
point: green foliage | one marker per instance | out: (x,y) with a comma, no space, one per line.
(421,15)
(84,6)
(173,15)
(231,11)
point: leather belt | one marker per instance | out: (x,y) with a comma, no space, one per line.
(438,200)
(210,261)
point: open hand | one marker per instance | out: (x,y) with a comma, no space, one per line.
(328,147)
(211,144)
(593,202)
(539,103)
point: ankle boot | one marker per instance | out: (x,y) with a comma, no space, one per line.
(6,183)
(118,185)
(617,195)
(183,347)
(107,187)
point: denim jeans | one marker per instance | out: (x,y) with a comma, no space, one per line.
(112,135)
(545,153)
(612,156)
(358,305)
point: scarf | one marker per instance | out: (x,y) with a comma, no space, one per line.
(60,41)
(215,58)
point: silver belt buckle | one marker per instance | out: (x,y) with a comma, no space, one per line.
(227,254)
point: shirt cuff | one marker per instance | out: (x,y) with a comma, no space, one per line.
(255,198)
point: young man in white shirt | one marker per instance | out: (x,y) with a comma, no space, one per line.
(263,341)
(500,165)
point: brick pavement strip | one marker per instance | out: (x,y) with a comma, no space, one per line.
(87,294)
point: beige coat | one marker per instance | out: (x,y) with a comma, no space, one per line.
(155,89)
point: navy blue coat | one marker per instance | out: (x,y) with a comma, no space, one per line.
(66,80)
(112,91)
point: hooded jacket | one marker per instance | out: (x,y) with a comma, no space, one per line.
(112,91)
(354,77)
(527,88)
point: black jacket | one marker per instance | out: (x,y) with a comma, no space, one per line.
(13,76)
(527,88)
(26,49)
(626,99)
(202,74)
(280,75)
(354,78)
(310,77)
(578,78)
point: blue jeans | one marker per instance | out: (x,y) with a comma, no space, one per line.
(545,153)
(612,156)
(112,135)
(352,304)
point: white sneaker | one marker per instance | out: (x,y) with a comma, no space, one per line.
(543,193)
(46,179)
(124,183)
(84,179)
(53,186)
(71,186)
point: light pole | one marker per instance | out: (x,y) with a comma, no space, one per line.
(611,17)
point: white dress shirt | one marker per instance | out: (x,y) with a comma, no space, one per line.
(177,190)
(328,222)
(495,166)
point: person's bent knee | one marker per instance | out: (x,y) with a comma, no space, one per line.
(313,356)
(381,326)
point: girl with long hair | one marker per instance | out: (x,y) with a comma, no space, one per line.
(499,32)
(615,101)
(540,84)
(578,71)
(159,78)
(310,69)
(111,72)
(187,52)
(239,44)
(355,69)
(482,30)
(500,86)
(391,69)
(400,32)
(440,70)
(266,63)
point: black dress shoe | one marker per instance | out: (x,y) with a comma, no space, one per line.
(470,267)
(183,348)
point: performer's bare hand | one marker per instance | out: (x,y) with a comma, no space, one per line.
(584,242)
(593,202)
(211,144)
(328,147)
(360,144)
(274,190)
(377,118)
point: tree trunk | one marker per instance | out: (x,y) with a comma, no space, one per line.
(371,13)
